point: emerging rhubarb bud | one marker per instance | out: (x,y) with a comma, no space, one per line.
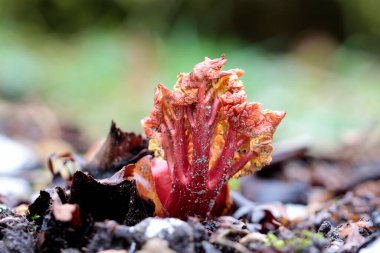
(204,133)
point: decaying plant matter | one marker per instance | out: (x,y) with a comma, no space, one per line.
(204,133)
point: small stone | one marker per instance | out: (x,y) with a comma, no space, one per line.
(155,245)
(325,228)
(15,157)
(374,247)
(177,233)
(13,187)
(4,211)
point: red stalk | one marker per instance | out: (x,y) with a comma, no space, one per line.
(198,172)
(236,167)
(214,112)
(224,161)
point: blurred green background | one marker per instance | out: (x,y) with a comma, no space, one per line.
(93,61)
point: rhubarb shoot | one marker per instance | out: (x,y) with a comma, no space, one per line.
(204,133)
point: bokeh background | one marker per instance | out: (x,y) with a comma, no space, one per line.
(94,61)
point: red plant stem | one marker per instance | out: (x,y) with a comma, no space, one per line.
(241,140)
(180,149)
(174,144)
(168,123)
(224,161)
(210,93)
(190,117)
(240,163)
(214,112)
(201,136)
(175,199)
(166,145)
(180,163)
